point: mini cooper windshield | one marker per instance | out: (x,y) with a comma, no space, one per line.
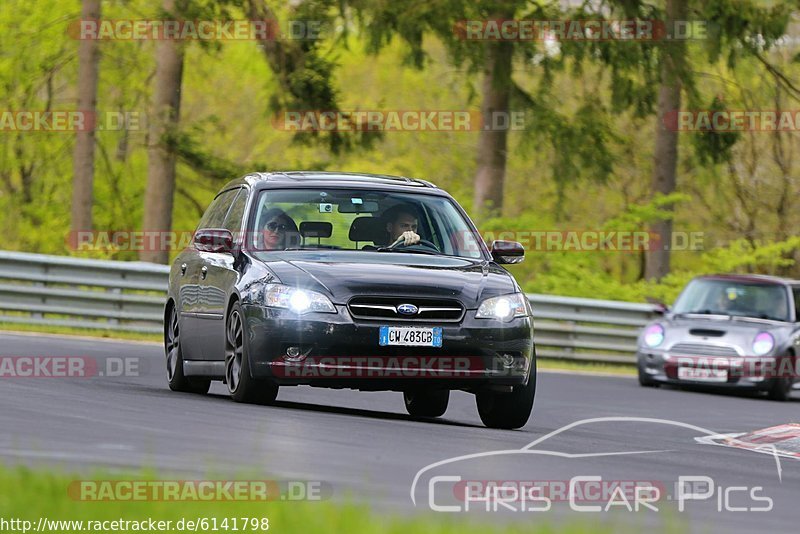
(360,220)
(734,298)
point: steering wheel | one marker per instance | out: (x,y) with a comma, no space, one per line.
(421,242)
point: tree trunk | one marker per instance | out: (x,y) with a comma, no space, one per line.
(83,156)
(163,119)
(492,144)
(665,160)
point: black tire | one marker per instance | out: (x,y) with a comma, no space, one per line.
(781,388)
(431,403)
(241,385)
(645,381)
(174,354)
(508,410)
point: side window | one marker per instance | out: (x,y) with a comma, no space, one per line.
(796,292)
(215,214)
(233,221)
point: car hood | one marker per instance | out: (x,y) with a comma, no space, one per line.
(342,275)
(719,330)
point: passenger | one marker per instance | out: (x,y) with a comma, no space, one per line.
(278,231)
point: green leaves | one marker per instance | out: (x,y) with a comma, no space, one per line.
(712,146)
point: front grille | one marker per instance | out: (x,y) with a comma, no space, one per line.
(703,349)
(385,308)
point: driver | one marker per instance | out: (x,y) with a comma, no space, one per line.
(728,300)
(402,225)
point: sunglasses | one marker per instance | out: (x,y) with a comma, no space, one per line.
(273,226)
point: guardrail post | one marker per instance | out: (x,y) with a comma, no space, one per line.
(42,283)
(118,306)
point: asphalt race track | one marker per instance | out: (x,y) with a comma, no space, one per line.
(364,447)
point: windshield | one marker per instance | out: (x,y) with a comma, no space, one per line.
(726,297)
(361,220)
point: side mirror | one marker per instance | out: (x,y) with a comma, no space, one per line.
(213,240)
(508,252)
(658,306)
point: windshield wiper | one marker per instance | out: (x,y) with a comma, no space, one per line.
(760,316)
(702,312)
(409,251)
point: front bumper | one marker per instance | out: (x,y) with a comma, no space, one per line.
(340,352)
(743,372)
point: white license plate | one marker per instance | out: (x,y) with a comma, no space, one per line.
(702,375)
(410,336)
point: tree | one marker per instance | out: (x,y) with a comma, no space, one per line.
(83,155)
(456,23)
(306,79)
(163,124)
(734,28)
(305,76)
(493,144)
(665,154)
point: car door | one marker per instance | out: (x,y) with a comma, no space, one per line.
(218,277)
(192,294)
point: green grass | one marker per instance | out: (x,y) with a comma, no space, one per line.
(28,495)
(586,367)
(86,332)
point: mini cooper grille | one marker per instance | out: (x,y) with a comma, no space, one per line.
(703,349)
(377,308)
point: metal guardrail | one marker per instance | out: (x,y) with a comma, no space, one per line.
(129,296)
(588,330)
(75,292)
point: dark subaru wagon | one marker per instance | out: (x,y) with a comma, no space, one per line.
(345,280)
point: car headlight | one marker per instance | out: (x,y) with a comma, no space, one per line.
(503,308)
(763,343)
(297,300)
(653,335)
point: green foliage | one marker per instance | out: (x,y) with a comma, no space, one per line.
(714,146)
(637,216)
(742,255)
(583,161)
(579,274)
(31,495)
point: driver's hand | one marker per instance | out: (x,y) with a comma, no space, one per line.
(410,238)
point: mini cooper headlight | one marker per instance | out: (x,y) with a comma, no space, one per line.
(504,308)
(763,343)
(654,335)
(297,300)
